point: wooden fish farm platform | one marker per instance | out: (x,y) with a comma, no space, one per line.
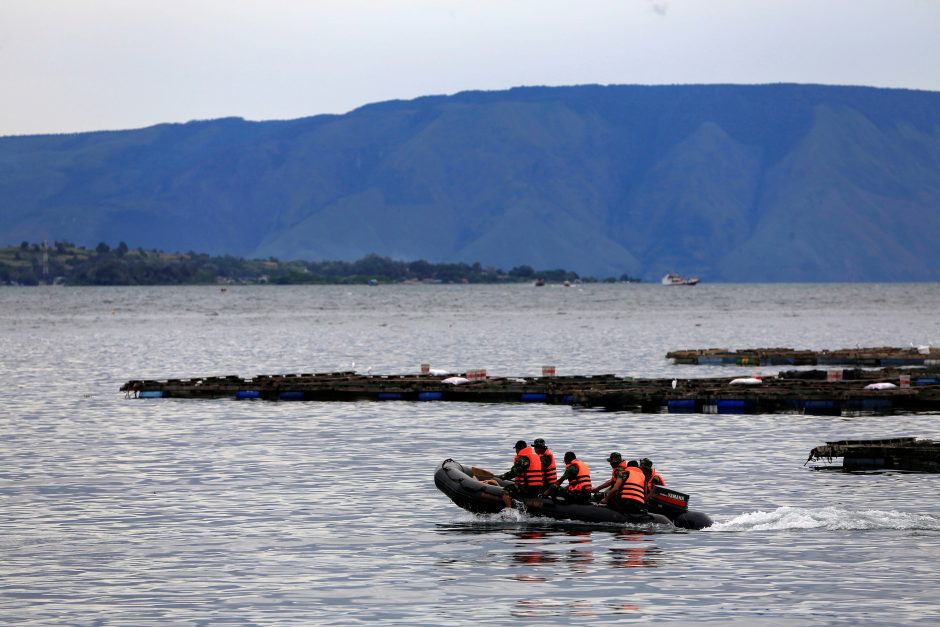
(889,454)
(865,357)
(789,392)
(808,392)
(350,386)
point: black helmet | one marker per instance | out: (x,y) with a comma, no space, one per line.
(646,462)
(615,458)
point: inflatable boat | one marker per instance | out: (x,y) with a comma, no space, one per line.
(461,485)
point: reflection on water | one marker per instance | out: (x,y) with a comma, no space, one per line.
(556,608)
(538,554)
(640,553)
(546,556)
(542,552)
(529,553)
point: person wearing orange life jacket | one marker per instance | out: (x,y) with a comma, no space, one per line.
(525,474)
(617,462)
(628,494)
(578,476)
(653,478)
(549,472)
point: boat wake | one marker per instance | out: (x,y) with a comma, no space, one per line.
(829,518)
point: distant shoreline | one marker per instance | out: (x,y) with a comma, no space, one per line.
(64,263)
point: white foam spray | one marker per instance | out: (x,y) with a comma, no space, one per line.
(828,518)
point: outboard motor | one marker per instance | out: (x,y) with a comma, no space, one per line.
(675,506)
(669,502)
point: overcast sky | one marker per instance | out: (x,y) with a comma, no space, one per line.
(78,65)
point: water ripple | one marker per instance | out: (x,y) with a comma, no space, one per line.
(138,512)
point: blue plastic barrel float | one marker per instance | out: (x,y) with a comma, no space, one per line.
(708,360)
(150,394)
(926,381)
(291,396)
(430,396)
(242,395)
(681,405)
(389,396)
(902,361)
(734,406)
(533,397)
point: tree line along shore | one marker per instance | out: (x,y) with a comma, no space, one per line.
(64,263)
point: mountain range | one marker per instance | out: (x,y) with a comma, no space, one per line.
(780,182)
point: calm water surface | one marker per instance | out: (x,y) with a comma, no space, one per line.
(134,512)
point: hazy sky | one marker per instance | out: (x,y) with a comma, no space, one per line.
(76,65)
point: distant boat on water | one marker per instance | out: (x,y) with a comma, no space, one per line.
(675,279)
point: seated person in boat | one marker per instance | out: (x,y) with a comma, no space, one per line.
(549,472)
(525,474)
(628,494)
(616,462)
(652,477)
(578,477)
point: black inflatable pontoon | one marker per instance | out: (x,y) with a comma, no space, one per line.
(667,507)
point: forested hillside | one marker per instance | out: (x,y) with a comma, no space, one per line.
(732,183)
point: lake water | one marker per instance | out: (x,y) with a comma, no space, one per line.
(156,511)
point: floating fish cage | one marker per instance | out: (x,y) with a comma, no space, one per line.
(813,392)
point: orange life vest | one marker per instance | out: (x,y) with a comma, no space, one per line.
(634,485)
(650,484)
(531,476)
(549,471)
(582,480)
(613,471)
